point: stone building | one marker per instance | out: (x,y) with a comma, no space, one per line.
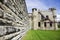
(43,19)
(13,15)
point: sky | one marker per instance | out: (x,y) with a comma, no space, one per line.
(44,5)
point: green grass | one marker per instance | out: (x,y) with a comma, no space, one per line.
(42,35)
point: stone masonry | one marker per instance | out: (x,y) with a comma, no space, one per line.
(13,17)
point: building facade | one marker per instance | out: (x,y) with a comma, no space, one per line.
(43,19)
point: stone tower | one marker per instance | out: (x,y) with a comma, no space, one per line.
(35,18)
(53,10)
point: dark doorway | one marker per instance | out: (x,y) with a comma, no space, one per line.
(39,24)
(45,24)
(50,24)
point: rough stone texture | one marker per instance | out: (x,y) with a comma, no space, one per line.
(2,31)
(8,30)
(13,13)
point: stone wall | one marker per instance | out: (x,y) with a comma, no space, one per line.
(14,11)
(13,16)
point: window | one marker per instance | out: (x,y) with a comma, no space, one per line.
(47,17)
(50,24)
(39,24)
(45,24)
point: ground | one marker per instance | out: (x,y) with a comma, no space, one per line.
(42,35)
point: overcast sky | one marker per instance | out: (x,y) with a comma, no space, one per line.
(44,5)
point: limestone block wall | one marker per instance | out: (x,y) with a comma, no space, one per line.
(14,10)
(30,20)
(13,14)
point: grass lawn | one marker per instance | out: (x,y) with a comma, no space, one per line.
(42,35)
